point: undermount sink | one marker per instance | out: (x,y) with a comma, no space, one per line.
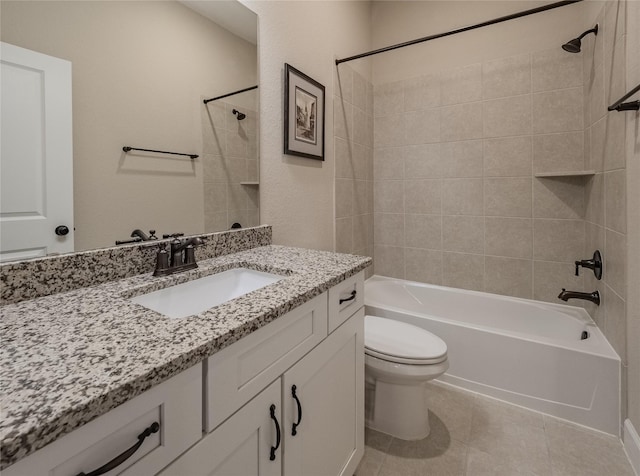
(196,296)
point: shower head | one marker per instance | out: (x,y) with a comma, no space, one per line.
(573,46)
(239,114)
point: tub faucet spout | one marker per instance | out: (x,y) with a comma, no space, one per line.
(594,297)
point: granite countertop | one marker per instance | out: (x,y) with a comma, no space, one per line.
(71,357)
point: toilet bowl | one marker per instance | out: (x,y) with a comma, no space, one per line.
(399,360)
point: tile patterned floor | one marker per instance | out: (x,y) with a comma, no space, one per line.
(472,435)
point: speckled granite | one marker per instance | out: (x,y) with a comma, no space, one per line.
(38,277)
(70,357)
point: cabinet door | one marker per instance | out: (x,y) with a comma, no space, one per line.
(242,445)
(329,385)
(235,374)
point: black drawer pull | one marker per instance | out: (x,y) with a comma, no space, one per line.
(272,410)
(294,428)
(122,457)
(351,298)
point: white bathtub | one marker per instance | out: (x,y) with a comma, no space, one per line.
(529,353)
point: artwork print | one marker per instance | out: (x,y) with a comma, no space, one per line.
(303,115)
(306,106)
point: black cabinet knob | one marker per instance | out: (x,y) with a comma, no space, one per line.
(62,230)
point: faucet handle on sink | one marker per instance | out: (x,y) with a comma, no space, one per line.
(162,261)
(189,255)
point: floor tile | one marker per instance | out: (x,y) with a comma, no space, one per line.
(577,451)
(491,411)
(432,455)
(517,445)
(474,435)
(371,462)
(377,440)
(514,435)
(453,407)
(480,463)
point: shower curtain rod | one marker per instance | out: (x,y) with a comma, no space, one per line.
(513,16)
(230,94)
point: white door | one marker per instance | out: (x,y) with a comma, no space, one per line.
(245,445)
(329,387)
(36,160)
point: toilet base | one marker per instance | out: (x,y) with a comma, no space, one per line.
(397,410)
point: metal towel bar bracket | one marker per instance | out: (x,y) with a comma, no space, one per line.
(620,105)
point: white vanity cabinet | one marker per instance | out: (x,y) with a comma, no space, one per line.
(175,405)
(327,409)
(304,370)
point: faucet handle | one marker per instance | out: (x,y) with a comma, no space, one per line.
(578,268)
(162,261)
(152,235)
(594,264)
(176,252)
(171,235)
(189,255)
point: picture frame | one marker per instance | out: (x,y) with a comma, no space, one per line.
(304,113)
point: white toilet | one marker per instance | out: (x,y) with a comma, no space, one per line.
(399,360)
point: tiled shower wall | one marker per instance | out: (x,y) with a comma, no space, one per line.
(456,199)
(633,218)
(230,160)
(606,212)
(353,142)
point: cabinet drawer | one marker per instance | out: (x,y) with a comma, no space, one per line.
(351,293)
(236,374)
(175,405)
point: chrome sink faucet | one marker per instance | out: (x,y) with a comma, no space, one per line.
(182,256)
(594,297)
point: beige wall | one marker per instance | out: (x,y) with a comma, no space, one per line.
(606,220)
(398,21)
(633,216)
(139,72)
(230,164)
(462,125)
(455,196)
(612,67)
(353,119)
(296,194)
(456,200)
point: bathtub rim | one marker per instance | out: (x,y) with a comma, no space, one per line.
(596,344)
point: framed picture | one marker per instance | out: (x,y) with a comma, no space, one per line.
(303,115)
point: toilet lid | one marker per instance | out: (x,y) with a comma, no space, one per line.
(397,341)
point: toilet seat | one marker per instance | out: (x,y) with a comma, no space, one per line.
(402,360)
(402,343)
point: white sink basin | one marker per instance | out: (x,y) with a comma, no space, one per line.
(195,296)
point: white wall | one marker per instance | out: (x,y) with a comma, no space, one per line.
(296,194)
